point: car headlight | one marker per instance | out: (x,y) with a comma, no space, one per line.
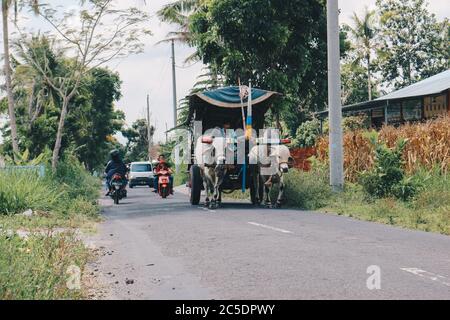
(131,177)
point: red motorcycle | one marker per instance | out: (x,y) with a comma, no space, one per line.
(164,183)
(118,188)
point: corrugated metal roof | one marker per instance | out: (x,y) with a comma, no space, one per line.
(433,85)
(430,86)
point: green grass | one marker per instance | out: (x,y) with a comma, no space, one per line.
(428,211)
(419,214)
(307,190)
(181,177)
(36,267)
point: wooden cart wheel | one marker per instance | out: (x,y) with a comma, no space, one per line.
(196,185)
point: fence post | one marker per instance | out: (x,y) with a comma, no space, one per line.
(41,171)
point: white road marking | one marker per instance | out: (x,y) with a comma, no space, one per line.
(428,275)
(270,228)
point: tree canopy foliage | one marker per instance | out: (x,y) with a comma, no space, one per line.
(413,45)
(92,120)
(137,136)
(270,42)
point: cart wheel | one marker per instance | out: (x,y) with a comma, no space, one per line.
(196,185)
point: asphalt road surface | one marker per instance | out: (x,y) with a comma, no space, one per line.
(167,249)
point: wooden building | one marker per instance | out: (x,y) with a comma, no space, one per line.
(424,100)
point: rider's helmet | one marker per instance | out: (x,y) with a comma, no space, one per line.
(162,159)
(115,155)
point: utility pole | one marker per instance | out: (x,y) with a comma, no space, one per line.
(334,98)
(174,82)
(167,133)
(149,130)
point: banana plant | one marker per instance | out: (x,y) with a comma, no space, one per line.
(23,159)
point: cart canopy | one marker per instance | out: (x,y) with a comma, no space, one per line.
(216,107)
(229,97)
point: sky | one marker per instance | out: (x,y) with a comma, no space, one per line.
(150,72)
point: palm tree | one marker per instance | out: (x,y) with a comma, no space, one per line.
(178,13)
(6,5)
(364,33)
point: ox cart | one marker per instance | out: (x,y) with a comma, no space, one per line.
(227,108)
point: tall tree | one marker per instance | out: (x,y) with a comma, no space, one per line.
(363,33)
(93,43)
(413,44)
(271,42)
(179,13)
(91,123)
(6,5)
(354,84)
(137,136)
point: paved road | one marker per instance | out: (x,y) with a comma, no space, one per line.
(167,249)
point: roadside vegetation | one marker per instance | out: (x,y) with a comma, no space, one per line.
(36,267)
(399,176)
(428,210)
(40,218)
(60,101)
(61,110)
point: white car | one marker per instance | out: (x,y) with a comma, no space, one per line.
(141,174)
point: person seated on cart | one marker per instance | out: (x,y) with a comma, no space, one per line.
(162,165)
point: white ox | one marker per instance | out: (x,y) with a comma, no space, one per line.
(273,162)
(211,156)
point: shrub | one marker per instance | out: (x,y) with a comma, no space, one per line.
(387,172)
(428,210)
(307,134)
(20,191)
(75,179)
(70,190)
(387,178)
(405,190)
(434,191)
(308,190)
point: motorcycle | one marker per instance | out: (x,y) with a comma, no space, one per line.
(163,183)
(118,188)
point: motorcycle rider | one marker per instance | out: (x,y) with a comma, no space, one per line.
(162,165)
(114,166)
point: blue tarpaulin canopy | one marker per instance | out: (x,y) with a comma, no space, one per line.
(215,107)
(229,97)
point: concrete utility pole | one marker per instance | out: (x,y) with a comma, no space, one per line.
(167,133)
(174,82)
(149,130)
(334,98)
